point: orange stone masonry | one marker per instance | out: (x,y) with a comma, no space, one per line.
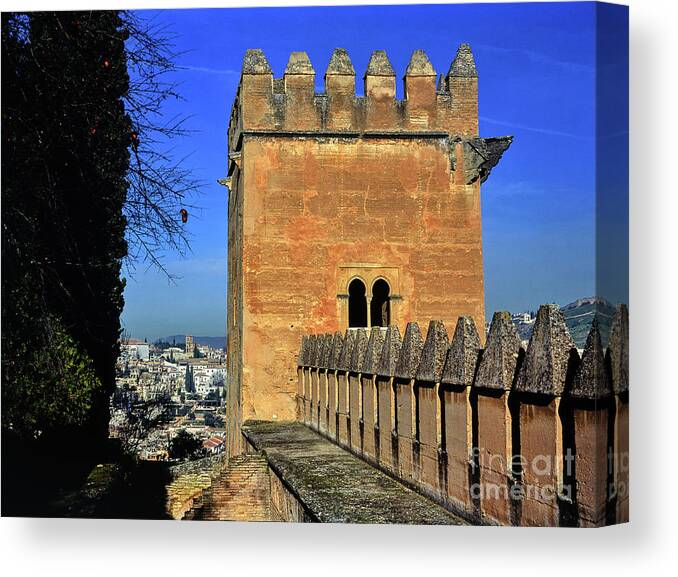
(325,188)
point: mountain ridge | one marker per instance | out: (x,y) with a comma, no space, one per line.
(579,316)
(213,342)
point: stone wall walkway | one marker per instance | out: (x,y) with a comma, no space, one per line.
(335,486)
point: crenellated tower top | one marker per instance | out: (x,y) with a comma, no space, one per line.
(289,106)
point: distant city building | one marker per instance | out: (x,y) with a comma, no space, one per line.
(174,353)
(214,445)
(204,351)
(191,389)
(136,349)
(525,317)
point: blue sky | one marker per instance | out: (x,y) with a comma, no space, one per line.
(537,81)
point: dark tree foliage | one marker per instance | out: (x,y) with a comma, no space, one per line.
(162,345)
(140,418)
(160,188)
(185,446)
(212,420)
(86,188)
(65,158)
(189,383)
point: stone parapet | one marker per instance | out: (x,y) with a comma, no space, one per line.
(499,434)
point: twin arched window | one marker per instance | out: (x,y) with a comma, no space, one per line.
(358,301)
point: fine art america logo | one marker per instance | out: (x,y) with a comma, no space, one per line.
(554,474)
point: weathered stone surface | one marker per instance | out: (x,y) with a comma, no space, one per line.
(420,65)
(618,350)
(299,63)
(312,350)
(319,351)
(278,88)
(379,65)
(336,486)
(481,155)
(463,65)
(498,363)
(545,367)
(340,63)
(462,356)
(410,352)
(390,352)
(255,62)
(433,353)
(337,346)
(374,348)
(344,363)
(328,339)
(301,359)
(358,352)
(591,379)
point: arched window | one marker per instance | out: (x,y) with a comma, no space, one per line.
(380,312)
(357,304)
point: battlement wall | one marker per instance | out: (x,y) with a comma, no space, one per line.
(507,435)
(440,106)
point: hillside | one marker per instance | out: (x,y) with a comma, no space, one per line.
(578,317)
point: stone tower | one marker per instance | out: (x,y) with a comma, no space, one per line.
(347,211)
(189,346)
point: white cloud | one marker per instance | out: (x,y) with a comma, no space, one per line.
(209,70)
(535,129)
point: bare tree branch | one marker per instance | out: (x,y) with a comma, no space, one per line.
(159,184)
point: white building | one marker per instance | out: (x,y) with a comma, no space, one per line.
(134,349)
(174,352)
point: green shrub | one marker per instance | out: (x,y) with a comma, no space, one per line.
(55,388)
